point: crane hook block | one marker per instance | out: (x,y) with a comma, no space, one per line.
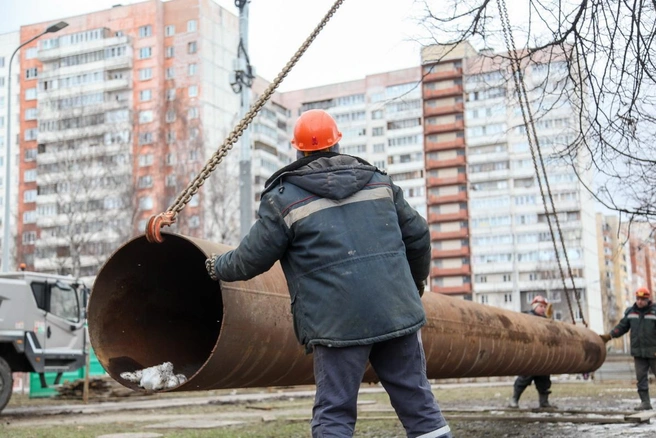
(155,223)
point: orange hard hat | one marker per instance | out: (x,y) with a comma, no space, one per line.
(643,292)
(539,299)
(315,130)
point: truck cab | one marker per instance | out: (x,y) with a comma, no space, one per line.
(42,326)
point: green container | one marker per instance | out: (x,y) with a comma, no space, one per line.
(36,391)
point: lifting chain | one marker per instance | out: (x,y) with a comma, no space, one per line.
(167,218)
(531,133)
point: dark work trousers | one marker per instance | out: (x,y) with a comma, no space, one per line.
(542,383)
(400,365)
(642,366)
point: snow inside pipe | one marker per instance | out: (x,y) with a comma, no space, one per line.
(154,303)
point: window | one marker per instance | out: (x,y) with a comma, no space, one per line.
(145,31)
(145,116)
(30,53)
(170,137)
(170,180)
(193,113)
(30,154)
(2,61)
(145,181)
(192,26)
(170,52)
(170,116)
(29,237)
(170,94)
(63,302)
(31,114)
(145,138)
(379,147)
(191,69)
(31,73)
(169,30)
(376,132)
(145,52)
(193,90)
(192,47)
(30,94)
(507,298)
(145,95)
(29,175)
(145,160)
(30,134)
(29,217)
(145,74)
(145,203)
(170,73)
(376,115)
(29,196)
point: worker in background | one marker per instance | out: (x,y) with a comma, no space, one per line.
(641,320)
(355,256)
(542,383)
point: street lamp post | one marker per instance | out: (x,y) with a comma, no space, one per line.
(5,239)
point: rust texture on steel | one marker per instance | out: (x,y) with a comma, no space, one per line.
(153,303)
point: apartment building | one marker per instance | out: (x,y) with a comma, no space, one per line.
(380,118)
(117,113)
(491,237)
(8,43)
(642,247)
(614,274)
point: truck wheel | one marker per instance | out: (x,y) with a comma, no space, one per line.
(6,383)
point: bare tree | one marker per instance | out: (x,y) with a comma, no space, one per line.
(606,49)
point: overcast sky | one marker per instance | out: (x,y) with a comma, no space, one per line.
(362,38)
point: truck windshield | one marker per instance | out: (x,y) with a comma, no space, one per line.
(63,302)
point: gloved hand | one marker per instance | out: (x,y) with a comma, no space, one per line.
(605,337)
(210,266)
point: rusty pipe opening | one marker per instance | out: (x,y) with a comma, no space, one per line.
(154,303)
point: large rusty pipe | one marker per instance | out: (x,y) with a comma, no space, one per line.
(153,303)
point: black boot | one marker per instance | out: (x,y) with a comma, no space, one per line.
(514,401)
(544,401)
(645,404)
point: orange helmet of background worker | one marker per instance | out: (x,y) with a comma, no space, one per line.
(643,292)
(315,130)
(539,299)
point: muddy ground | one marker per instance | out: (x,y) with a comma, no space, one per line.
(472,409)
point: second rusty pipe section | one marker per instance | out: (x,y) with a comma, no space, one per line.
(154,303)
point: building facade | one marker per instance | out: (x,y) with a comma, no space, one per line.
(491,237)
(8,43)
(117,113)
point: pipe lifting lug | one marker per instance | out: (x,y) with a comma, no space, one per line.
(155,224)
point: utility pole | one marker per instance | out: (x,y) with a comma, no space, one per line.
(241,83)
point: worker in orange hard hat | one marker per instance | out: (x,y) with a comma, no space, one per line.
(640,319)
(542,383)
(355,256)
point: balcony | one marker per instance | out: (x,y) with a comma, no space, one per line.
(458,125)
(462,215)
(443,164)
(443,110)
(455,90)
(450,253)
(442,75)
(447,199)
(450,272)
(446,181)
(86,47)
(431,146)
(464,289)
(448,235)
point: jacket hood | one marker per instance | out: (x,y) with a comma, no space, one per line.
(329,175)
